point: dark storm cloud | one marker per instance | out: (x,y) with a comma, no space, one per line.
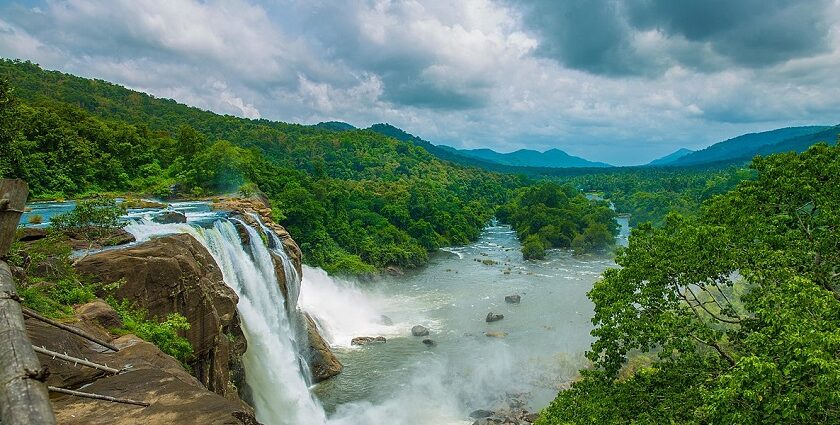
(607,37)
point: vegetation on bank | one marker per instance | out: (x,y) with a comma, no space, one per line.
(551,215)
(739,303)
(649,194)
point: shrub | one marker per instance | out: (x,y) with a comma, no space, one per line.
(91,219)
(35,219)
(164,334)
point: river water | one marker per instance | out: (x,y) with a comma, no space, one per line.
(537,349)
(405,382)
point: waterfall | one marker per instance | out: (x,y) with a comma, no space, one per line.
(277,382)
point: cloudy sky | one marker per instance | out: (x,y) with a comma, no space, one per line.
(615,81)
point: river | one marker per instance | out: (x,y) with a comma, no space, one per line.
(536,350)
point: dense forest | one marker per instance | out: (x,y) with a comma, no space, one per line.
(551,215)
(355,200)
(727,316)
(649,194)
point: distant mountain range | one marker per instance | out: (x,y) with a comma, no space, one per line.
(552,158)
(739,149)
(745,147)
(486,158)
(671,157)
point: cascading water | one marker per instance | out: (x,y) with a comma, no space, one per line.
(278,385)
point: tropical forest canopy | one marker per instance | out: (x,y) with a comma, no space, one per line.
(355,200)
(727,316)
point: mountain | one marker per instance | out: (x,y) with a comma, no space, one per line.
(445,153)
(744,146)
(552,158)
(801,143)
(335,126)
(671,157)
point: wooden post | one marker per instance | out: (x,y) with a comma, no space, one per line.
(70,329)
(23,397)
(13,194)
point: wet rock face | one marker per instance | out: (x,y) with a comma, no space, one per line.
(322,362)
(493,317)
(419,330)
(170,217)
(365,340)
(176,274)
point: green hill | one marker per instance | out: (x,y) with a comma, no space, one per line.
(744,146)
(671,157)
(356,200)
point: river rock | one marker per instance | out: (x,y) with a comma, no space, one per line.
(429,342)
(493,317)
(322,362)
(100,312)
(513,299)
(480,413)
(364,340)
(176,274)
(496,334)
(170,217)
(419,330)
(30,234)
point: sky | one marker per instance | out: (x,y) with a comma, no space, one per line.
(622,82)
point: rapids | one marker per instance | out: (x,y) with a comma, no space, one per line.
(403,381)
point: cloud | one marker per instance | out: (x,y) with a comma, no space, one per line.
(613,37)
(614,81)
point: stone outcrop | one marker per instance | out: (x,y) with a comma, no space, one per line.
(513,299)
(176,274)
(322,362)
(150,376)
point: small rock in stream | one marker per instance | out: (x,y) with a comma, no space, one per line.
(420,330)
(493,317)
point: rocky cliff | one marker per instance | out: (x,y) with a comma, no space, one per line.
(174,274)
(151,376)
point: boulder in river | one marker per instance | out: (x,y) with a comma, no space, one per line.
(496,334)
(429,342)
(513,299)
(170,217)
(420,330)
(493,317)
(364,340)
(481,413)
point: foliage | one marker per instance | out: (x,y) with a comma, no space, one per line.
(92,218)
(355,200)
(164,334)
(49,284)
(551,215)
(740,303)
(649,194)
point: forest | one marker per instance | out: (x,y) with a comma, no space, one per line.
(356,201)
(728,315)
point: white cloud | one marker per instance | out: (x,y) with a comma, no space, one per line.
(466,73)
